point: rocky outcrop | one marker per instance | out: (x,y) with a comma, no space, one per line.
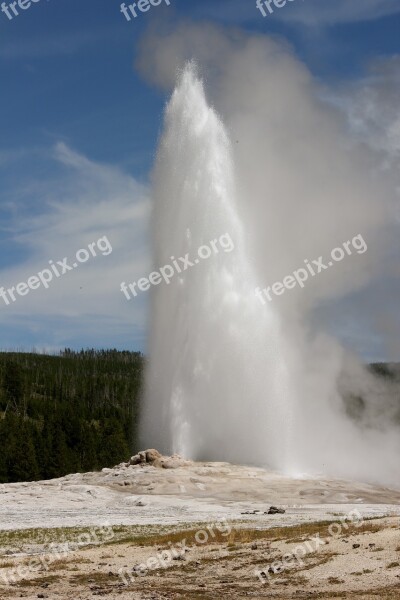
(274,510)
(156,459)
(145,457)
(137,459)
(152,455)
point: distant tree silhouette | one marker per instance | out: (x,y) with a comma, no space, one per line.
(74,412)
(13,387)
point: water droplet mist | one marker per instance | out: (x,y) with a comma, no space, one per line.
(228,379)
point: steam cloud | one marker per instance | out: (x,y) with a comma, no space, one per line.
(259,384)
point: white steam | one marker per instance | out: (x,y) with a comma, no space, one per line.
(229,378)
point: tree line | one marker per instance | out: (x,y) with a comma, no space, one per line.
(70,413)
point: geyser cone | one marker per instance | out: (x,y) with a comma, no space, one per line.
(217,382)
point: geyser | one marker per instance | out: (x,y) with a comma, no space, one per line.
(229,378)
(218,383)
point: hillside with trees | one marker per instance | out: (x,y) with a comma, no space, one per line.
(70,413)
(79,411)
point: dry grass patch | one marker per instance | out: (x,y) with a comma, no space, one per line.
(335,581)
(36,581)
(6,564)
(93,578)
(242,535)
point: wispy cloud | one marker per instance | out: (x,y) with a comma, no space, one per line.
(372,106)
(314,13)
(85,202)
(331,12)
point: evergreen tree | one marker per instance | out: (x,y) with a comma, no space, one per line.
(67,413)
(13,386)
(114,447)
(24,465)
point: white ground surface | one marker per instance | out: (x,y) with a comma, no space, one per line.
(194,493)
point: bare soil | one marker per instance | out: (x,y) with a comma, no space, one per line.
(362,561)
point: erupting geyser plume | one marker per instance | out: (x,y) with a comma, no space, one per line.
(214,348)
(229,378)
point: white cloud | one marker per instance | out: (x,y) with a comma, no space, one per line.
(315,13)
(331,12)
(371,104)
(84,203)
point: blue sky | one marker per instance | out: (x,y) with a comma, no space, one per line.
(79,129)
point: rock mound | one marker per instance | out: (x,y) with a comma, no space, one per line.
(155,459)
(145,457)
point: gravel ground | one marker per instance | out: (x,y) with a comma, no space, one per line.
(336,539)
